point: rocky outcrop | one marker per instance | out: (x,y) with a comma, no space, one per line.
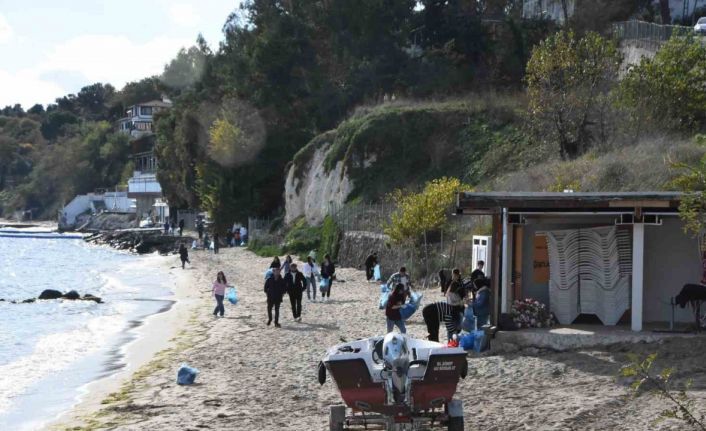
(140,240)
(49,294)
(105,221)
(310,189)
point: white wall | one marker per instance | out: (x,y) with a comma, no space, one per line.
(671,261)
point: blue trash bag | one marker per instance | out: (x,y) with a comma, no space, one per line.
(232,295)
(469,320)
(411,306)
(268,274)
(480,343)
(466,342)
(186,374)
(384,296)
(377,274)
(323,285)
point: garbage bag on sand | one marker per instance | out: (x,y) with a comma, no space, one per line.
(466,341)
(384,296)
(377,275)
(411,306)
(232,295)
(268,274)
(323,285)
(469,320)
(186,375)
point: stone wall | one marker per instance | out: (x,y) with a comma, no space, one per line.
(357,245)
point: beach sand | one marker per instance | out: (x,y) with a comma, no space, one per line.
(257,377)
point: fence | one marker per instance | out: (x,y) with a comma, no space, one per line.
(362,216)
(261,230)
(648,35)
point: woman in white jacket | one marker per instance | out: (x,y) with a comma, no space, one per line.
(310,270)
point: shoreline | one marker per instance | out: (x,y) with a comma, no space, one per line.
(149,335)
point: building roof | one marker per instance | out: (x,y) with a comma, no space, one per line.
(491,202)
(157,103)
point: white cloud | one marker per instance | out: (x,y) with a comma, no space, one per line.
(184,15)
(5,30)
(113,59)
(27,88)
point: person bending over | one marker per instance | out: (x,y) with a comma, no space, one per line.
(392,310)
(436,313)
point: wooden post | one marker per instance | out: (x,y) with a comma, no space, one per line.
(517,262)
(504,264)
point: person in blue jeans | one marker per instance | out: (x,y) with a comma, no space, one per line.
(219,292)
(481,303)
(392,310)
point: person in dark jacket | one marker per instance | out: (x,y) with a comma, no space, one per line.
(166,227)
(328,271)
(481,303)
(296,285)
(275,288)
(199,229)
(370,263)
(183,255)
(478,272)
(392,310)
(181,226)
(276,263)
(216,246)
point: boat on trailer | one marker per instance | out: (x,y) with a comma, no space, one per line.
(395,383)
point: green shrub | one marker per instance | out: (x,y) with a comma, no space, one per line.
(302,238)
(264,250)
(330,238)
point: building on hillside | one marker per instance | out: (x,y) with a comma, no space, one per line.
(555,10)
(617,258)
(143,186)
(138,120)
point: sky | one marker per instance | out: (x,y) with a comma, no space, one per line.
(50,48)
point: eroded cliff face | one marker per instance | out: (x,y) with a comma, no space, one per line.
(310,189)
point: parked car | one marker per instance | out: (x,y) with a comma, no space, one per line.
(147,223)
(700,26)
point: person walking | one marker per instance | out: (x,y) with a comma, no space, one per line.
(173,228)
(276,263)
(275,287)
(286,265)
(392,310)
(216,246)
(328,272)
(199,229)
(219,292)
(243,235)
(296,284)
(166,227)
(370,263)
(310,271)
(183,255)
(181,227)
(236,237)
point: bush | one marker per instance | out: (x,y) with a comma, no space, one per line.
(330,238)
(264,250)
(302,238)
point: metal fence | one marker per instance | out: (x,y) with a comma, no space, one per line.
(362,216)
(261,230)
(646,34)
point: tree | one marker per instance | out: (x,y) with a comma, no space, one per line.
(569,80)
(668,90)
(186,69)
(423,212)
(692,181)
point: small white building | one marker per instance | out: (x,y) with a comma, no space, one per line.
(95,203)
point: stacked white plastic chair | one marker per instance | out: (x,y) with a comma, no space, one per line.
(563,250)
(585,275)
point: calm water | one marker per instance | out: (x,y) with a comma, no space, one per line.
(50,349)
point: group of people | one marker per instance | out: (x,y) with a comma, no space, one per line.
(237,236)
(171,227)
(286,278)
(462,296)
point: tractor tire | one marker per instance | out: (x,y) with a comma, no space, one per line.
(455,424)
(337,416)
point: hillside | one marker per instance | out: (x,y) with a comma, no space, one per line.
(401,145)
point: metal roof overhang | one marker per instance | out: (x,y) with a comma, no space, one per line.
(566,203)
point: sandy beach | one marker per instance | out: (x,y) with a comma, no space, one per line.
(257,377)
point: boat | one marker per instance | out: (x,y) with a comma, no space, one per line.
(395,382)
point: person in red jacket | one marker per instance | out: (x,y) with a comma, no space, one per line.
(392,310)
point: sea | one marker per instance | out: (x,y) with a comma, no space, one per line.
(50,350)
